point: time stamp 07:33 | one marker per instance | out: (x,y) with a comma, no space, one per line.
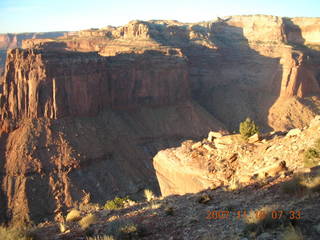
(259,214)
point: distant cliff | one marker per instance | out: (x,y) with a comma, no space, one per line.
(14,40)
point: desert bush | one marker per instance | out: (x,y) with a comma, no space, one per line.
(248,128)
(302,185)
(124,229)
(260,220)
(88,220)
(73,216)
(312,155)
(312,183)
(317,144)
(16,233)
(204,198)
(293,187)
(148,194)
(129,231)
(116,203)
(169,211)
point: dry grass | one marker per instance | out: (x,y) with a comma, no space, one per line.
(89,207)
(63,227)
(16,233)
(292,234)
(302,185)
(293,187)
(155,205)
(87,221)
(260,220)
(148,194)
(73,216)
(234,185)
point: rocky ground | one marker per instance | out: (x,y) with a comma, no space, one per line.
(282,204)
(192,217)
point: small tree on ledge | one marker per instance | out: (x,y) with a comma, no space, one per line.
(248,128)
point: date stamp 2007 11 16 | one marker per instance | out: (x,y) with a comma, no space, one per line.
(276,214)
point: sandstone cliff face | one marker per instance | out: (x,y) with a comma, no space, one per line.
(228,61)
(45,83)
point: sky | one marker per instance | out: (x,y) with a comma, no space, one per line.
(72,15)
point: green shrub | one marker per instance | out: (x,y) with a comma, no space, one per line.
(116,203)
(124,229)
(248,128)
(312,155)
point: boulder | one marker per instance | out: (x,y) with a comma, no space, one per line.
(210,149)
(315,122)
(272,170)
(254,138)
(212,135)
(196,145)
(294,132)
(220,146)
(224,140)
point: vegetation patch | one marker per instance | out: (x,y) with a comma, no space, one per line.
(16,233)
(302,185)
(312,155)
(291,233)
(294,187)
(263,219)
(124,229)
(148,194)
(116,203)
(248,128)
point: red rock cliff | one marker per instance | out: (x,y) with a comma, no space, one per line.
(54,84)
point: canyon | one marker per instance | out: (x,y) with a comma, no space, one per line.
(85,113)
